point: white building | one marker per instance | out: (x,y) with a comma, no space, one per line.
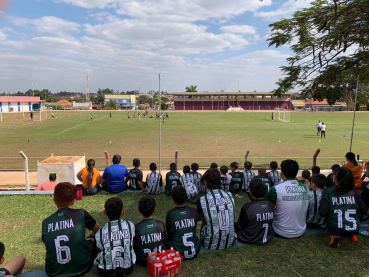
(10,104)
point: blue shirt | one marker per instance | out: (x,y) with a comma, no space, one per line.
(115,175)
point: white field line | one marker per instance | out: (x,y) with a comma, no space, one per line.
(81,125)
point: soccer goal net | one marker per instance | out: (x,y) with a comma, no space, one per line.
(282,115)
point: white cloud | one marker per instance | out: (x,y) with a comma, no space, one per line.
(2,35)
(285,10)
(88,4)
(238,29)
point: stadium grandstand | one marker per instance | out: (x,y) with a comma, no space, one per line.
(215,101)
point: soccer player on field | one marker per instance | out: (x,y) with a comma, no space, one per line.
(115,242)
(217,213)
(135,177)
(150,233)
(237,177)
(14,266)
(291,199)
(68,252)
(319,127)
(323,128)
(129,115)
(262,175)
(256,217)
(52,115)
(248,175)
(314,220)
(274,175)
(154,181)
(342,207)
(172,179)
(181,226)
(197,177)
(226,181)
(188,183)
(92,118)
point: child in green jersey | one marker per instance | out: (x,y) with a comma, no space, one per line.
(14,266)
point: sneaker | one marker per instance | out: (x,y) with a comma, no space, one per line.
(354,238)
(335,241)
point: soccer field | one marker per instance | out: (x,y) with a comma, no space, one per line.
(201,137)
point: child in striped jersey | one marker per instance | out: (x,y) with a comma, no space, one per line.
(154,181)
(313,219)
(115,242)
(248,175)
(274,175)
(226,180)
(187,182)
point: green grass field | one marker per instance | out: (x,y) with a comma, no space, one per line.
(200,137)
(21,218)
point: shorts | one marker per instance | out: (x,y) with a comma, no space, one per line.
(341,233)
(115,272)
(319,128)
(4,272)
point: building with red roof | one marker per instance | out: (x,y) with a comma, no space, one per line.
(19,103)
(315,105)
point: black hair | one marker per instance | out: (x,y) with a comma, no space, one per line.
(214,165)
(113,208)
(351,157)
(212,178)
(334,167)
(179,195)
(136,162)
(273,165)
(146,205)
(319,180)
(315,169)
(290,168)
(345,180)
(257,188)
(2,250)
(116,159)
(173,166)
(234,165)
(153,166)
(186,169)
(223,169)
(248,165)
(90,175)
(52,176)
(194,167)
(306,174)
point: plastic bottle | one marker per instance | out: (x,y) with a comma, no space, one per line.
(177,257)
(169,260)
(172,252)
(163,256)
(153,257)
(158,266)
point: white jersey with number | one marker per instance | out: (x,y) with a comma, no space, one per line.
(153,183)
(115,240)
(187,181)
(248,175)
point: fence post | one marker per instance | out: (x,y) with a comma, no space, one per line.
(176,158)
(246,155)
(25,169)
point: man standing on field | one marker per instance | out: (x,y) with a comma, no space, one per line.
(319,127)
(323,130)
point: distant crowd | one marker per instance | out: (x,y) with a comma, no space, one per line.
(282,204)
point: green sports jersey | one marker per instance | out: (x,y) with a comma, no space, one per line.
(64,236)
(181,226)
(248,175)
(237,178)
(150,237)
(171,180)
(135,176)
(330,181)
(342,211)
(115,240)
(266,180)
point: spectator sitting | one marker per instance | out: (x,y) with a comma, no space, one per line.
(90,178)
(256,217)
(189,184)
(217,213)
(186,218)
(262,175)
(172,179)
(248,175)
(14,266)
(305,178)
(68,251)
(154,181)
(314,170)
(116,176)
(342,207)
(150,233)
(330,181)
(237,176)
(314,220)
(197,177)
(356,169)
(226,180)
(48,185)
(135,177)
(214,165)
(291,199)
(274,175)
(106,262)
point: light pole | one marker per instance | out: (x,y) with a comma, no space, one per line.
(159,125)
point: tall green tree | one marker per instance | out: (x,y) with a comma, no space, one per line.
(112,104)
(328,38)
(191,89)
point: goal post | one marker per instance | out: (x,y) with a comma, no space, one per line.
(283,115)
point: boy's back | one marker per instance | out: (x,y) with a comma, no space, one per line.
(188,183)
(275,177)
(135,176)
(172,180)
(266,180)
(226,183)
(64,236)
(313,215)
(248,175)
(154,183)
(237,178)
(181,225)
(197,181)
(150,237)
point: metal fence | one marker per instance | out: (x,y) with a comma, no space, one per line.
(14,175)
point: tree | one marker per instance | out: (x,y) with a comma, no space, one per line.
(112,104)
(143,99)
(191,89)
(325,32)
(101,99)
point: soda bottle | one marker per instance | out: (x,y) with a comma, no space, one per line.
(177,257)
(172,252)
(153,257)
(157,266)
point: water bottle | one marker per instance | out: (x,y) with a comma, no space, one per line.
(153,257)
(157,266)
(177,257)
(163,257)
(172,252)
(169,260)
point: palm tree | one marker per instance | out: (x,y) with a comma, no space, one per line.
(191,88)
(112,104)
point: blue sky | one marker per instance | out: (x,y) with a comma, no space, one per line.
(125,44)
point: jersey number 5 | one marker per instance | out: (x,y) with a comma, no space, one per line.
(60,249)
(189,244)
